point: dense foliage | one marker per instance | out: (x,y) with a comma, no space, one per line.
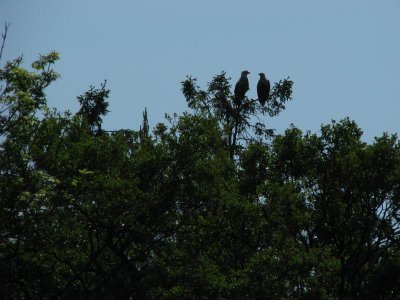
(209,205)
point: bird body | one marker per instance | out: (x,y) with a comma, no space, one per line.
(263,89)
(242,86)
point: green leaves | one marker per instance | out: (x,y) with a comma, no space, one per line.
(203,207)
(44,61)
(236,119)
(338,200)
(94,105)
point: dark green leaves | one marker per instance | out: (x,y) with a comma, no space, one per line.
(94,106)
(204,207)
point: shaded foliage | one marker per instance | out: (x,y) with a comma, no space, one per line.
(195,208)
(94,105)
(239,120)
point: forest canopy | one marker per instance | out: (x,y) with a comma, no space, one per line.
(211,204)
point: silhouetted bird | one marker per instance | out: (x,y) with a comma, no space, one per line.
(263,89)
(242,86)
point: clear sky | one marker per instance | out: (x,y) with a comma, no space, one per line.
(343,55)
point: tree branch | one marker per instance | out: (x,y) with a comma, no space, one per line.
(4,36)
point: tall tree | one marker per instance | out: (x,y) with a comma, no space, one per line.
(94,106)
(236,118)
(203,206)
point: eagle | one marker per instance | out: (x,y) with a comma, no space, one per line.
(263,89)
(242,86)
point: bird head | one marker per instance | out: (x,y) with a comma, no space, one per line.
(245,73)
(262,75)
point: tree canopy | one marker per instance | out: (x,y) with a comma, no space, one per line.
(211,204)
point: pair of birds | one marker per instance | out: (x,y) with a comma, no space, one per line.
(263,87)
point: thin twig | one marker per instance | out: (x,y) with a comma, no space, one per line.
(4,36)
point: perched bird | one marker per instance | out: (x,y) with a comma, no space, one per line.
(242,86)
(263,89)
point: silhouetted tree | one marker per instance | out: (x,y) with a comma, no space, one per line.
(144,128)
(94,106)
(240,121)
(209,206)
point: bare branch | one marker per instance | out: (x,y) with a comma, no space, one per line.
(4,36)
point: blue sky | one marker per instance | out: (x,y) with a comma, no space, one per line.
(343,55)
